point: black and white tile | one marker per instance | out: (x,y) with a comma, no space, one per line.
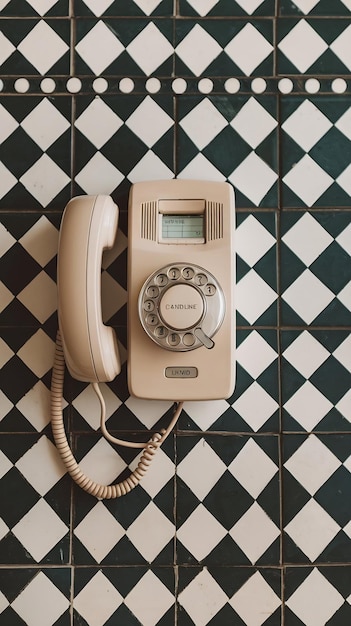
(249,497)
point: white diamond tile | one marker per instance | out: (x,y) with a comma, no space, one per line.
(29,603)
(42,6)
(44,180)
(203,123)
(40,530)
(42,47)
(147,6)
(31,464)
(96,56)
(87,404)
(253,468)
(5,353)
(202,7)
(41,241)
(201,469)
(200,544)
(203,598)
(312,529)
(158,474)
(345,296)
(149,122)
(307,239)
(253,240)
(254,354)
(98,122)
(248,49)
(344,239)
(98,600)
(148,413)
(98,9)
(150,167)
(4,529)
(249,6)
(255,406)
(35,406)
(308,180)
(254,296)
(303,46)
(308,296)
(204,414)
(7,180)
(312,464)
(253,123)
(5,405)
(254,532)
(343,353)
(150,49)
(102,463)
(6,48)
(38,353)
(306,6)
(265,604)
(306,354)
(344,180)
(5,464)
(98,543)
(99,176)
(198,49)
(344,406)
(201,168)
(253,177)
(6,240)
(308,406)
(45,124)
(344,123)
(307,125)
(315,601)
(40,297)
(149,600)
(8,124)
(347,464)
(151,532)
(341,47)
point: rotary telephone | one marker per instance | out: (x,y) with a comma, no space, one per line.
(181,323)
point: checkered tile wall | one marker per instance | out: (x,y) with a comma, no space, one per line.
(245,516)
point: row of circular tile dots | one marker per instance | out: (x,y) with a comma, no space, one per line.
(179,85)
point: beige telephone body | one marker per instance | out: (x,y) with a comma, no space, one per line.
(181,277)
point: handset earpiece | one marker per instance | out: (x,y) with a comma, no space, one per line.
(88,226)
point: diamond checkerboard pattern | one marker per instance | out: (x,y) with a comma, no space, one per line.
(251,494)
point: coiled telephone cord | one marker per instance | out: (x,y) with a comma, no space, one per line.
(58,429)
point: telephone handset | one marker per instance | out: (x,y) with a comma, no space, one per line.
(181,324)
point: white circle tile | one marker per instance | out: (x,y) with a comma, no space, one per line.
(47,85)
(312,85)
(153,85)
(232,85)
(205,85)
(21,85)
(258,85)
(74,85)
(285,85)
(179,85)
(100,85)
(126,85)
(339,85)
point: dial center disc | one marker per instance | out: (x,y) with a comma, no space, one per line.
(181,307)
